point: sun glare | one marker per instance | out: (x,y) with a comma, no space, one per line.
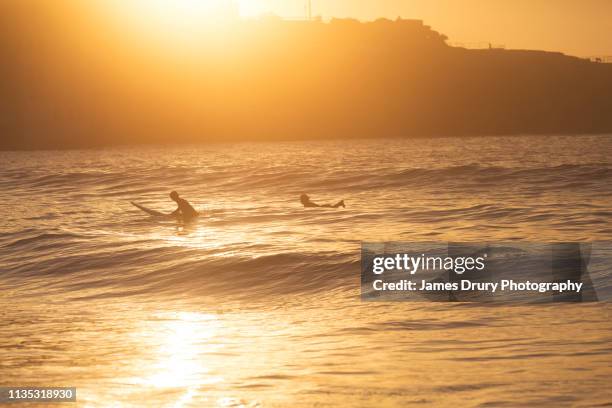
(179,23)
(190,13)
(187,12)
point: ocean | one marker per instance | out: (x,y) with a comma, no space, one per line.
(257,302)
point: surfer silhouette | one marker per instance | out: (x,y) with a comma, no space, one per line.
(184,210)
(306,202)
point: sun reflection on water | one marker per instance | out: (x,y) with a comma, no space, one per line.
(180,354)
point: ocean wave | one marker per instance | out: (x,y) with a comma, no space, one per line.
(68,223)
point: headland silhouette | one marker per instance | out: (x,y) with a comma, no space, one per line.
(270,79)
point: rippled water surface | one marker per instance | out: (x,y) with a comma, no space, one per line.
(257,302)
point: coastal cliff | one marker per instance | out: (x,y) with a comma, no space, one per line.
(273,79)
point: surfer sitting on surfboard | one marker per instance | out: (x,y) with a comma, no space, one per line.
(184,210)
(306,202)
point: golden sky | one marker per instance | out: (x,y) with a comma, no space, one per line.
(91,72)
(577,27)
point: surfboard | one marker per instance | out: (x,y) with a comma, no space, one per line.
(150,211)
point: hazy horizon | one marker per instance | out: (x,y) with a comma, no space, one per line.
(148,71)
(568,26)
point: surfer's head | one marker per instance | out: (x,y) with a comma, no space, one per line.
(174,196)
(304,198)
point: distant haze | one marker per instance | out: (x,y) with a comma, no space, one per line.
(574,27)
(106,72)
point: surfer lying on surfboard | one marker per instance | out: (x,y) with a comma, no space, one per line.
(306,202)
(184,211)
